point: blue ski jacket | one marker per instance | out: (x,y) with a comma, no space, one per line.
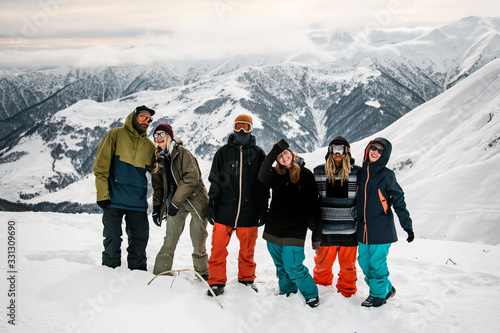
(378,191)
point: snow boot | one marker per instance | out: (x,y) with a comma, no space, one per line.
(373,302)
(313,302)
(218,289)
(250,284)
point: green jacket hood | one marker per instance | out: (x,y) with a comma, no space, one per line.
(131,129)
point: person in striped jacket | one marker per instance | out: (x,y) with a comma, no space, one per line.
(336,181)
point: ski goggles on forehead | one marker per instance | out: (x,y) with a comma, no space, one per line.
(243,125)
(144,118)
(338,149)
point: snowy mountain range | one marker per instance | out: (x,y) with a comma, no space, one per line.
(54,119)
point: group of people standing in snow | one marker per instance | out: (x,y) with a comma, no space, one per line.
(346,207)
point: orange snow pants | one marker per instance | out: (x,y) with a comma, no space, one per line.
(324,259)
(221,236)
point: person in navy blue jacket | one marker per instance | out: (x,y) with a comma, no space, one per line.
(378,190)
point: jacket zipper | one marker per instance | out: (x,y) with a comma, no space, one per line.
(365,234)
(239,194)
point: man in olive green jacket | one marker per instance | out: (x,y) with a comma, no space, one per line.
(124,156)
(178,191)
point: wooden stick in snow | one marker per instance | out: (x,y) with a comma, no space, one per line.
(185,270)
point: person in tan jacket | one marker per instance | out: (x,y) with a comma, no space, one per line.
(178,191)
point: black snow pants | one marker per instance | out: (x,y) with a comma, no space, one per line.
(137,229)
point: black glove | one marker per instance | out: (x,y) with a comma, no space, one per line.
(156,215)
(172,209)
(211,214)
(411,235)
(261,219)
(311,224)
(103,203)
(282,144)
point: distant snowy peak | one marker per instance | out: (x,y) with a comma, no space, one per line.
(377,35)
(472,26)
(456,49)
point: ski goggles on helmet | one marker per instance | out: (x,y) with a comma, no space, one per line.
(144,118)
(243,125)
(162,134)
(375,148)
(338,149)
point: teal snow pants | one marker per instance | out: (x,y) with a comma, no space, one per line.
(372,258)
(290,270)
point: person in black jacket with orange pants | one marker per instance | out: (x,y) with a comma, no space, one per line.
(237,203)
(378,190)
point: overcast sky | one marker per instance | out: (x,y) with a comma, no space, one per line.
(80,32)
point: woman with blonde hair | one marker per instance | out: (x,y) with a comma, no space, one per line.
(294,208)
(178,191)
(336,180)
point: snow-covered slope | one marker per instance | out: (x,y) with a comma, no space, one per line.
(62,287)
